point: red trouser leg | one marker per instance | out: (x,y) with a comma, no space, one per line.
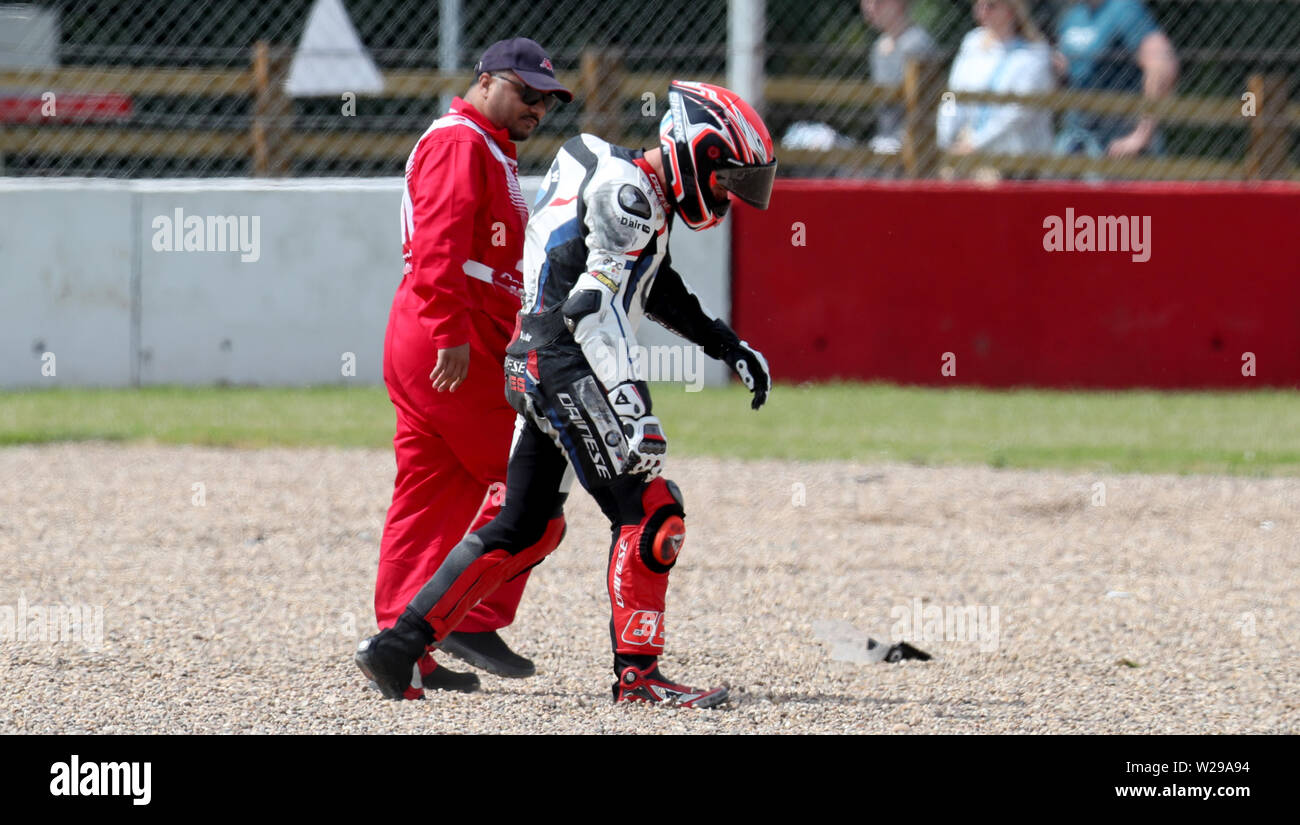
(497,610)
(433,502)
(472,573)
(450,449)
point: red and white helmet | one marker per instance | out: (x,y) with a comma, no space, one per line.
(709,135)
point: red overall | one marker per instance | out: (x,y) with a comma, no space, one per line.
(463,220)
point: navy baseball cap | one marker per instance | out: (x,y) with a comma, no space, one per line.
(527,59)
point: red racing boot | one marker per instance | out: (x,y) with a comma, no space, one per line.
(649,685)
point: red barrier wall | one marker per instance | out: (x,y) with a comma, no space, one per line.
(891,276)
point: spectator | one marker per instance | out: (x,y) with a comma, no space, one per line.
(1006,53)
(900,40)
(1113,45)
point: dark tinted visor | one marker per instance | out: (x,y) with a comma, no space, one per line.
(752,184)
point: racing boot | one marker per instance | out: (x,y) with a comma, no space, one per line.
(647,684)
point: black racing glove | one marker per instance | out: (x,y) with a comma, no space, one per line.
(751,367)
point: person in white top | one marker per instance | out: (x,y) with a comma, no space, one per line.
(900,40)
(1006,53)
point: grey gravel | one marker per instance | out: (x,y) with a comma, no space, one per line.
(1172,607)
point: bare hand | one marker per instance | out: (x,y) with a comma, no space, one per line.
(1060,63)
(452,367)
(1129,145)
(962,146)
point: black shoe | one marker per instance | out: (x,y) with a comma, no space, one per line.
(903,650)
(388,659)
(440,678)
(487,651)
(444,678)
(388,669)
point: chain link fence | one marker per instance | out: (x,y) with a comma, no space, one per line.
(1103,89)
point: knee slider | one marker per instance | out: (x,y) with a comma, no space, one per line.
(663,530)
(660,553)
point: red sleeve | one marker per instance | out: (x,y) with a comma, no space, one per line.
(447,187)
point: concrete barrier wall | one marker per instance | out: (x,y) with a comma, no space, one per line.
(65,286)
(91,295)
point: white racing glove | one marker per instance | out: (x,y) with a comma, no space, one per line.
(647,446)
(646,443)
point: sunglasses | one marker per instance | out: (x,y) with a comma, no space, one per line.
(529,95)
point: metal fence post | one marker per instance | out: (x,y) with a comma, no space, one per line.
(745,29)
